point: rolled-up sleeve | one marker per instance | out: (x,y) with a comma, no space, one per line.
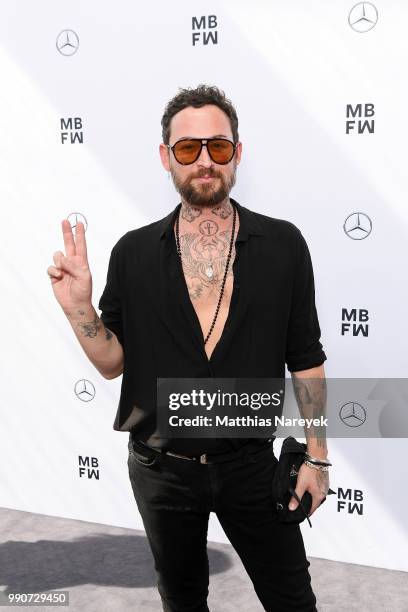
(303,349)
(110,302)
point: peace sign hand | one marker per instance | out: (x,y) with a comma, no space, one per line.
(70,276)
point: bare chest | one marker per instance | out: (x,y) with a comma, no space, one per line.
(204,261)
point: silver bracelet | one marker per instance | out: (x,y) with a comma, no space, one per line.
(317,460)
(322,468)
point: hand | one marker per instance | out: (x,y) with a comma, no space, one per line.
(70,276)
(314,481)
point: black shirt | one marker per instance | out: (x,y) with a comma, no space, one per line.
(272,318)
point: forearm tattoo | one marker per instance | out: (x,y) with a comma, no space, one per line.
(311,397)
(90,329)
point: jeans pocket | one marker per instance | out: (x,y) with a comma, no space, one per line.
(143,455)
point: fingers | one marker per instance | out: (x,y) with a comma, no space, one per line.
(293,504)
(64,263)
(80,240)
(54,273)
(69,242)
(57,258)
(311,481)
(317,499)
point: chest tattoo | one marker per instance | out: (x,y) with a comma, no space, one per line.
(204,258)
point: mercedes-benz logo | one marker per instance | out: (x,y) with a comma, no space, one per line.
(67,42)
(74,217)
(357,226)
(363,17)
(84,390)
(352,414)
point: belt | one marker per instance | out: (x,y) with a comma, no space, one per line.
(219,458)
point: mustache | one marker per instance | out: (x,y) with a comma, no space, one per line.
(205,173)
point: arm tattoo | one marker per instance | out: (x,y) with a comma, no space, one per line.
(311,396)
(90,329)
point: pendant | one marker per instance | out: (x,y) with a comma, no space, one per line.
(209,271)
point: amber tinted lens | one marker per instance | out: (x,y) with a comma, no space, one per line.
(221,151)
(186,151)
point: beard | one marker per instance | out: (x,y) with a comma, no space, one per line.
(204,194)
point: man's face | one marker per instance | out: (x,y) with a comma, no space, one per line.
(205,122)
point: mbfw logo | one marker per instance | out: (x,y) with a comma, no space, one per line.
(88,467)
(67,42)
(357,226)
(71,130)
(362,123)
(350,500)
(204,31)
(356,316)
(363,17)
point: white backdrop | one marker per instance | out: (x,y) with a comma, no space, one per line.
(291,69)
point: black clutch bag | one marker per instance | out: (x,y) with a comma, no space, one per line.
(284,481)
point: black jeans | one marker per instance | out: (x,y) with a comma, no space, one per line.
(175,496)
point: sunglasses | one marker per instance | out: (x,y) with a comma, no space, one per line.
(188,150)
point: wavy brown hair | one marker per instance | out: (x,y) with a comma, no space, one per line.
(200,96)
